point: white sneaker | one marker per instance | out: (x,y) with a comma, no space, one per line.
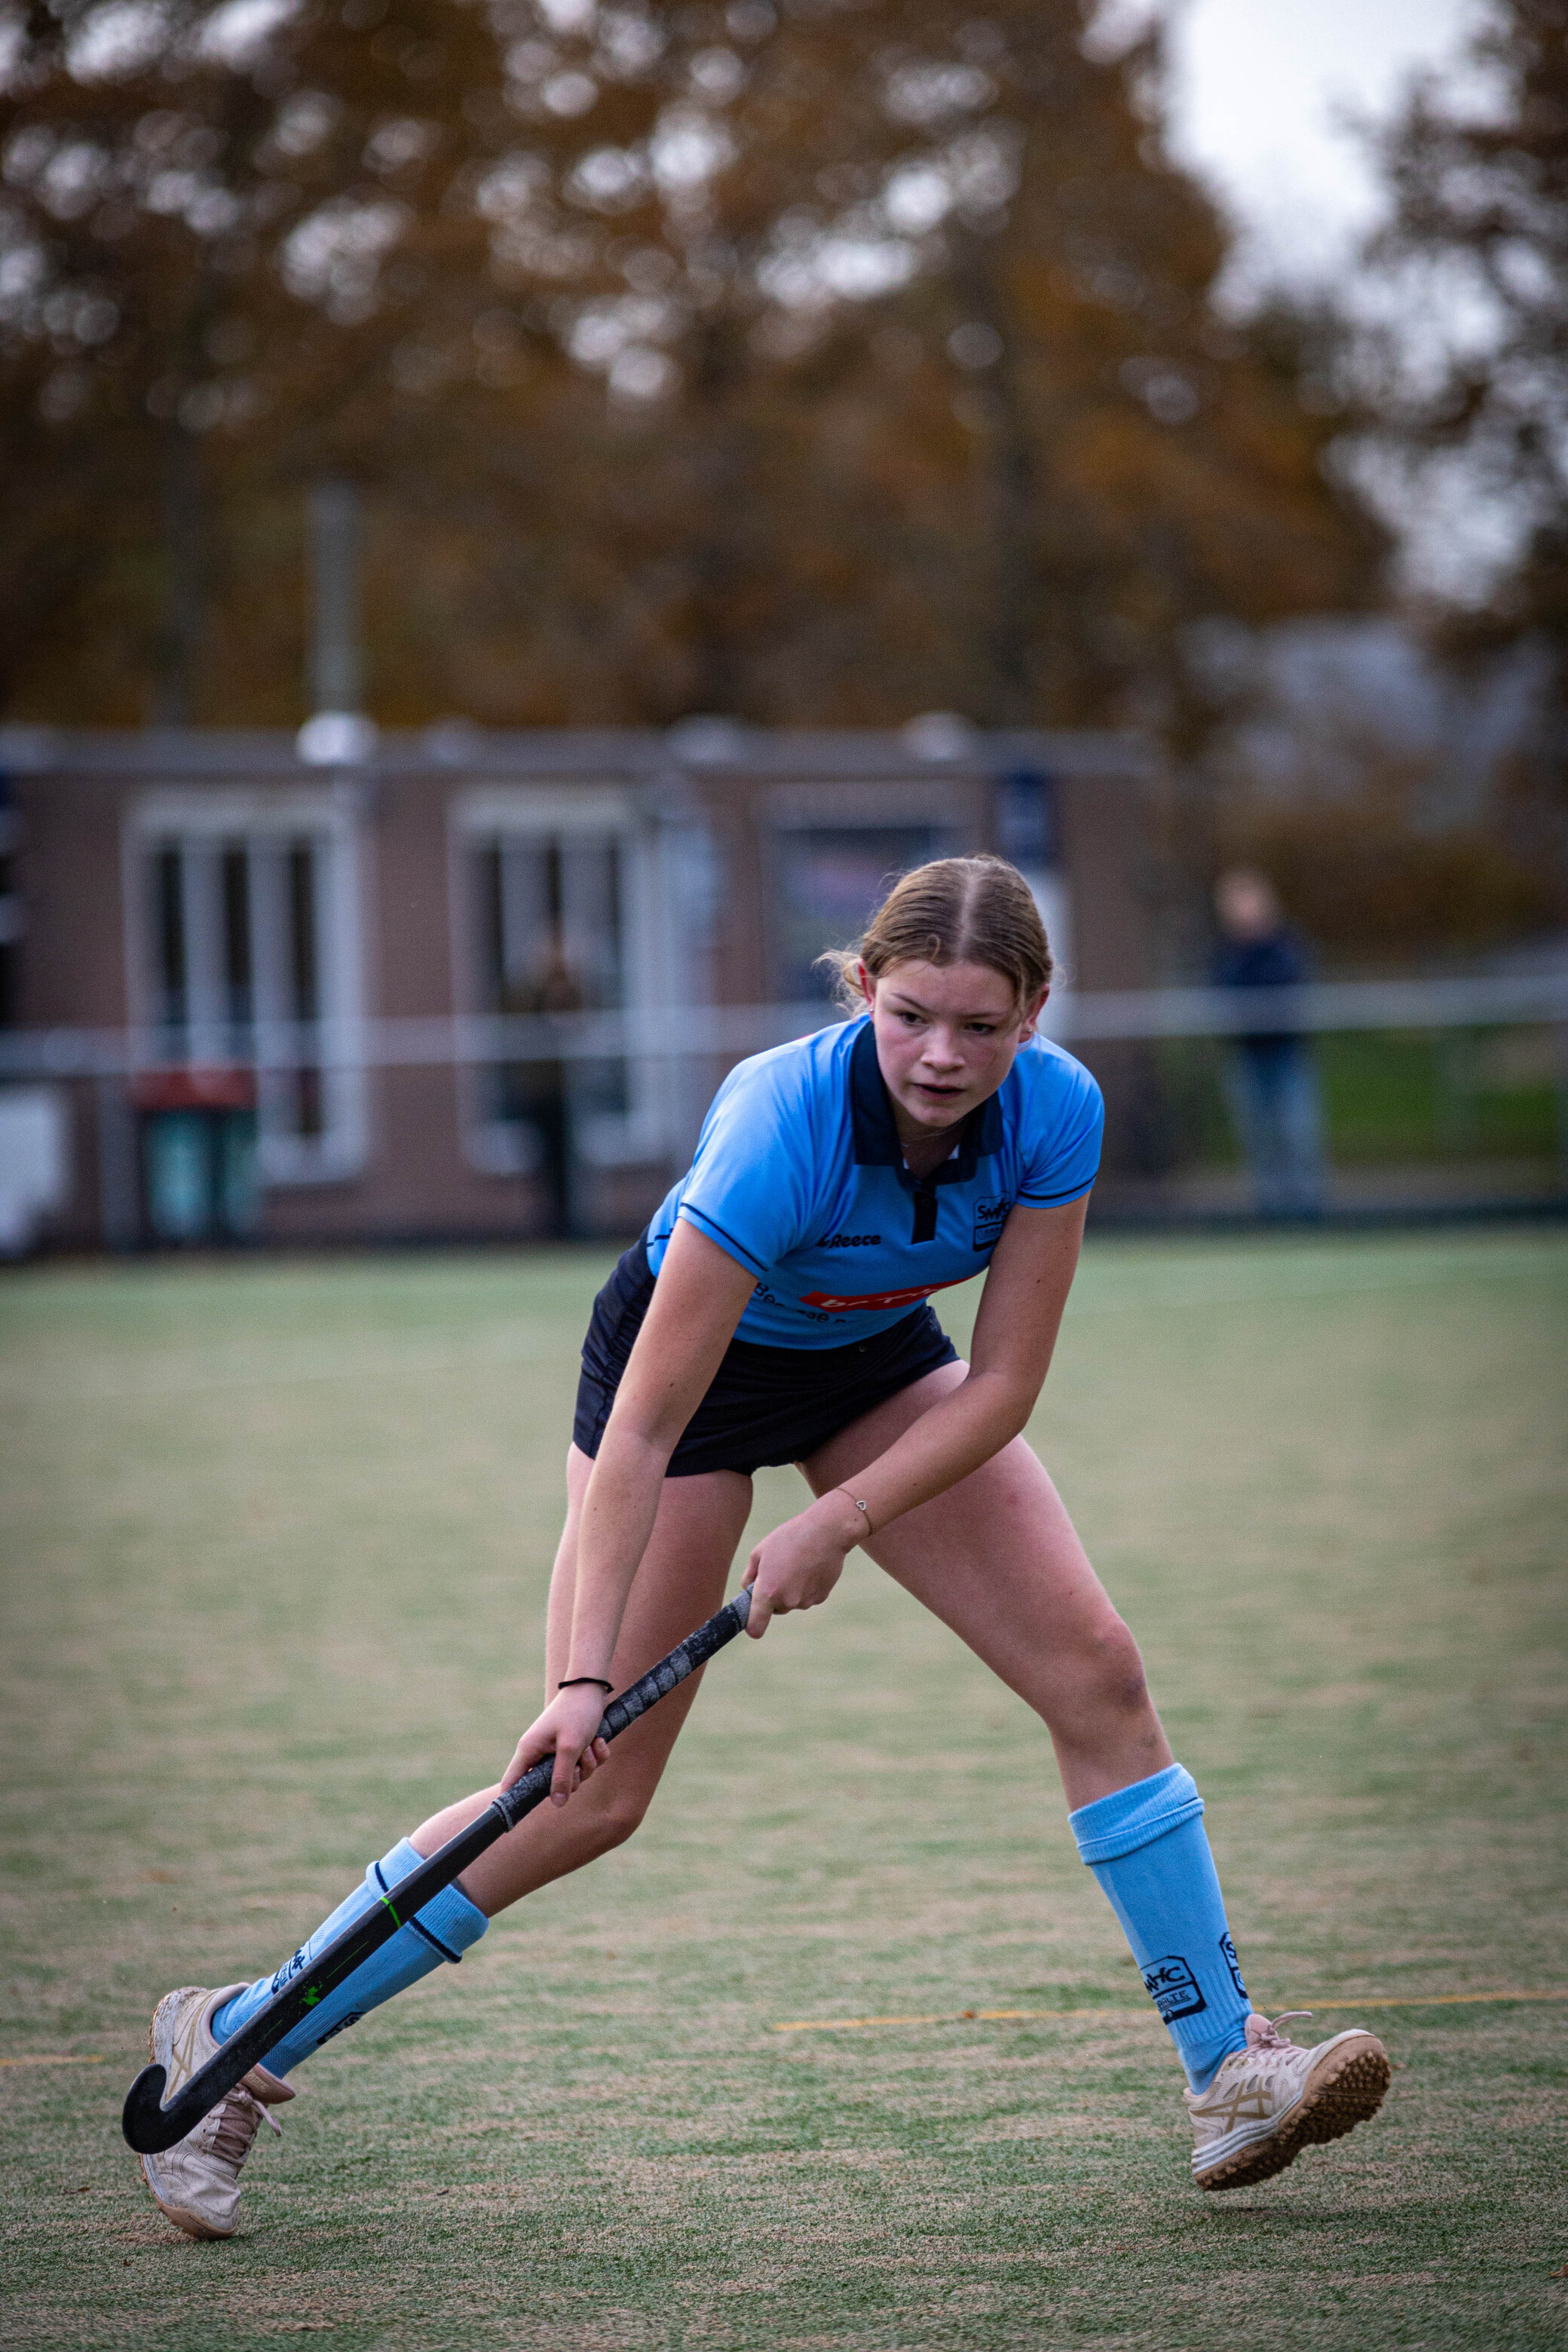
(196,2182)
(1271,2100)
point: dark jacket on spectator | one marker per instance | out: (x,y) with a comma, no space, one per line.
(1278,962)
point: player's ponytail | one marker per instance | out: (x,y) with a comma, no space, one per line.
(955,911)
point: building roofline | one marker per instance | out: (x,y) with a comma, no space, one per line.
(712,750)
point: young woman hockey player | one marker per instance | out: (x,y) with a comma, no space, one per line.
(775,1312)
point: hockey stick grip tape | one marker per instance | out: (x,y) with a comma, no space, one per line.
(150,2127)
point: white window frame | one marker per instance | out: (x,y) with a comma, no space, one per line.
(850,807)
(1048,886)
(482,815)
(207,815)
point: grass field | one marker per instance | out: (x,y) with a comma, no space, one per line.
(276,1544)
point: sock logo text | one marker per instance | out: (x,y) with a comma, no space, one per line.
(1172,1988)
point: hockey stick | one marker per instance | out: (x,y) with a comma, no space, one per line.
(150,2127)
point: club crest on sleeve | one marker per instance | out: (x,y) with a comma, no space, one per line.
(1172,1988)
(990,1216)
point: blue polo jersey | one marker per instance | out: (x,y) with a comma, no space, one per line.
(800,1177)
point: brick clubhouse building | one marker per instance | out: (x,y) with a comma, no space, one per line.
(470,984)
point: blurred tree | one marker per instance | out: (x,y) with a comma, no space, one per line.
(822,365)
(1479,235)
(1471,380)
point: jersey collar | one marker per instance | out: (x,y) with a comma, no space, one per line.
(877,1141)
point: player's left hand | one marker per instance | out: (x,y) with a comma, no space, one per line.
(799,1565)
(568,1729)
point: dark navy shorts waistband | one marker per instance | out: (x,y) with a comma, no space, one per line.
(765,1405)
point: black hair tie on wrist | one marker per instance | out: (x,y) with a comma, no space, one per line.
(575,1680)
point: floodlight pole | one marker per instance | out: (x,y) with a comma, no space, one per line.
(337,660)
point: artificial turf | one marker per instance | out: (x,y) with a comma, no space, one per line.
(276,1539)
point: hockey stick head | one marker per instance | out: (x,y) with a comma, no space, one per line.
(148,2126)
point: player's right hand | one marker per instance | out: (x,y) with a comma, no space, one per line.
(567,1730)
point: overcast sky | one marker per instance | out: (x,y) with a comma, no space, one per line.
(1255,87)
(1255,99)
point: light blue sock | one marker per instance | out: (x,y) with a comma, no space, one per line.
(1149,1850)
(443,1930)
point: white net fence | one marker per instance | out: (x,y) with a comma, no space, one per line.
(1428,1094)
(703,1032)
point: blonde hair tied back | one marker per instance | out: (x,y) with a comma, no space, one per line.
(955,911)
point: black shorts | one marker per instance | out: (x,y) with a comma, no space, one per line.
(766,1404)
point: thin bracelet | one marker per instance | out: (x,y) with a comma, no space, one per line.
(573,1681)
(864,1509)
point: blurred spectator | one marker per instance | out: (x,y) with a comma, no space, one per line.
(539,1092)
(1272,1079)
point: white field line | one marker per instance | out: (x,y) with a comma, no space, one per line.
(1118,2016)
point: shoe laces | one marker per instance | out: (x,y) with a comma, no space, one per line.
(236,2128)
(1263,2032)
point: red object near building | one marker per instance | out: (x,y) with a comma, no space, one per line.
(233,1089)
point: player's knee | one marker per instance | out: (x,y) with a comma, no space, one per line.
(617,1816)
(1113,1670)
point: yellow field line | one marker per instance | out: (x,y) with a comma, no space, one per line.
(1441,2000)
(53,2062)
(1148,2016)
(1016,2016)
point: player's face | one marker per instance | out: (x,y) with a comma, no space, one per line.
(946,1036)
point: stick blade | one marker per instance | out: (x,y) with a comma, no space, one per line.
(143,2121)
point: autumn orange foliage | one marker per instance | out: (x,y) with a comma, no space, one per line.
(818,363)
